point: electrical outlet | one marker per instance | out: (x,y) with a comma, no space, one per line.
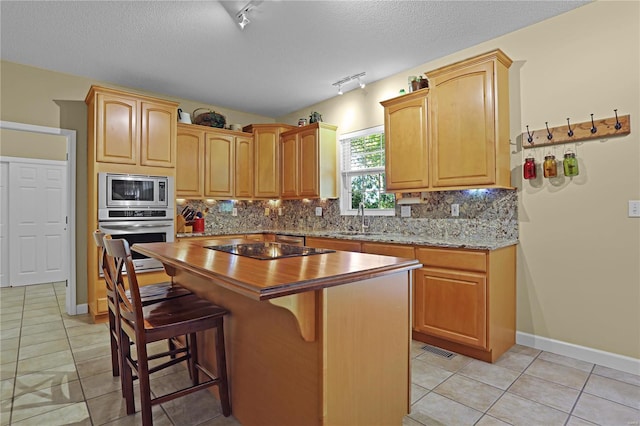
(234,212)
(280,211)
(405,211)
(634,208)
(267,211)
(455,210)
(318,211)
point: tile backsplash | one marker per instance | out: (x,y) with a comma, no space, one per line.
(490,213)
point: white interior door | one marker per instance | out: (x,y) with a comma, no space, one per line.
(4,224)
(38,222)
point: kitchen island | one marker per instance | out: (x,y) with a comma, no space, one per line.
(322,339)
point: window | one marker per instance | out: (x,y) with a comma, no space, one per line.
(363,178)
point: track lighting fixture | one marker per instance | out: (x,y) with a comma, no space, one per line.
(348,79)
(243,21)
(242,16)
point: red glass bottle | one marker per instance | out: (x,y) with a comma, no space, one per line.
(529,168)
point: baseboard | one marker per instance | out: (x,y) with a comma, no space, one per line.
(583,353)
(82,309)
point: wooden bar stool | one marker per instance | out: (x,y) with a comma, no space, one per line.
(149,294)
(139,324)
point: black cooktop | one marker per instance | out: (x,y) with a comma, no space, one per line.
(267,251)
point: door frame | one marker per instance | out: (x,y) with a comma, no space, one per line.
(70,135)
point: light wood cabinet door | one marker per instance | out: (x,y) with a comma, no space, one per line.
(189,162)
(243,167)
(463,135)
(451,305)
(406,142)
(219,158)
(309,163)
(266,142)
(470,122)
(116,129)
(267,163)
(158,127)
(289,165)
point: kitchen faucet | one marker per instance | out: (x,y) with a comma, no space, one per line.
(365,222)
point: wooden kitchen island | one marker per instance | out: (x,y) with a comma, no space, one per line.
(311,340)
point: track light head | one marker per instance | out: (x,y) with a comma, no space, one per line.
(348,79)
(242,18)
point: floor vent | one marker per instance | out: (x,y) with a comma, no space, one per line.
(438,351)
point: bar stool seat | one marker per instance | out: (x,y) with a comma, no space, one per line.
(158,292)
(143,324)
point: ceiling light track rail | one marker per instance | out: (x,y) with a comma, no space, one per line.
(349,79)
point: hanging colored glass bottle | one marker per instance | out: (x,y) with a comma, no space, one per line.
(570,164)
(529,168)
(550,167)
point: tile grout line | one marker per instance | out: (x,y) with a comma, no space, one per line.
(75,364)
(15,371)
(486,412)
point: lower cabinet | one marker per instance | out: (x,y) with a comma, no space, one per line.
(396,250)
(333,244)
(255,237)
(465,300)
(452,305)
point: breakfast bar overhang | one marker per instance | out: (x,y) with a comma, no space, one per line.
(319,339)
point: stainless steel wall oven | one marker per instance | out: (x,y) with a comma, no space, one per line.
(139,209)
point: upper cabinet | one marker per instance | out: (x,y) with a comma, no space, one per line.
(189,162)
(459,130)
(244,164)
(406,141)
(213,163)
(131,129)
(470,122)
(266,170)
(309,162)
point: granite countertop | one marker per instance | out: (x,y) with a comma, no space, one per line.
(476,243)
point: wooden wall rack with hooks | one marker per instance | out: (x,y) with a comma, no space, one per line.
(579,132)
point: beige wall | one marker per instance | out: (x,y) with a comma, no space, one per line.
(15,143)
(579,253)
(46,98)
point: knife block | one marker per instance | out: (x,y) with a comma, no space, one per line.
(180,224)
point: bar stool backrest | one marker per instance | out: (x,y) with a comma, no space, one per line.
(107,266)
(130,310)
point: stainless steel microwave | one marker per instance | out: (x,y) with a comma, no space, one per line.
(118,191)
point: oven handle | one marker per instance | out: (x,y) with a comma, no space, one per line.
(132,226)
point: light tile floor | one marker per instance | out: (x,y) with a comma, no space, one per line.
(56,369)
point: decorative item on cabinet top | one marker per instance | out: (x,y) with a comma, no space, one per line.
(209,118)
(184,117)
(599,129)
(315,117)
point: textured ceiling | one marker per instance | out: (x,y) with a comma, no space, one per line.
(286,59)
